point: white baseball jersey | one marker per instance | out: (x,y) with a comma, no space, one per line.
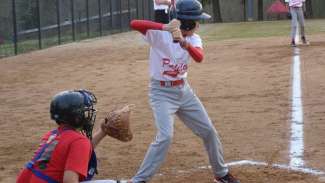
(168,61)
(295,3)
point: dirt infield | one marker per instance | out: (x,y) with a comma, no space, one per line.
(245,86)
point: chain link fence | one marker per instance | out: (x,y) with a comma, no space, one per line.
(27,25)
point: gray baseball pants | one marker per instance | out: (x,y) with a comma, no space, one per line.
(297,16)
(182,101)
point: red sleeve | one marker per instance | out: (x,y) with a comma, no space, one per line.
(79,156)
(144,25)
(196,53)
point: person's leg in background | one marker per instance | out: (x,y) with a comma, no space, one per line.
(162,16)
(294,25)
(301,20)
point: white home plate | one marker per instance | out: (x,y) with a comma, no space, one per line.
(102,181)
(321,179)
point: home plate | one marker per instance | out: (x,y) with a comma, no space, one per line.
(104,181)
(321,179)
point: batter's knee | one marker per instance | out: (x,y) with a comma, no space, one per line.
(208,132)
(164,138)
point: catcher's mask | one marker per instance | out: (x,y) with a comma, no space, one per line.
(188,12)
(76,109)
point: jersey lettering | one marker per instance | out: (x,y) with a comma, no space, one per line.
(173,69)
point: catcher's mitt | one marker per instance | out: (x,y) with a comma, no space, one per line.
(117,124)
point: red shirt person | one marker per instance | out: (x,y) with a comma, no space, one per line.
(66,153)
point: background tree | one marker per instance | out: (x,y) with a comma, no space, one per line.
(27,14)
(216,11)
(260,10)
(309,9)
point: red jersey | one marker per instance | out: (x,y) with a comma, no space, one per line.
(68,150)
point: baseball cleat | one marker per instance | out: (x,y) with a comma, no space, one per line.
(293,44)
(304,41)
(226,179)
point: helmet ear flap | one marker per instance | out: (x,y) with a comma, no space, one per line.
(77,120)
(187,25)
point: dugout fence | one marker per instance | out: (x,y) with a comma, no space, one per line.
(37,24)
(27,25)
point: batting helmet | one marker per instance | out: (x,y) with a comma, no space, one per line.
(190,10)
(75,108)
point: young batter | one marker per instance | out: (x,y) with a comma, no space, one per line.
(297,19)
(170,93)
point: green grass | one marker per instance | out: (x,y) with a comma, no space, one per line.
(211,32)
(6,49)
(226,31)
(30,44)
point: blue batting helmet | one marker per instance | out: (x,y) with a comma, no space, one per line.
(190,10)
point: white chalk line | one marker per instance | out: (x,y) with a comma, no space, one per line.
(297,121)
(257,163)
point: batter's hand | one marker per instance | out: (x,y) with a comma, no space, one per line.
(172,25)
(177,36)
(184,44)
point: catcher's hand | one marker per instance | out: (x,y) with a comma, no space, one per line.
(117,124)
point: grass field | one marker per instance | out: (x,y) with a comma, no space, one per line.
(226,31)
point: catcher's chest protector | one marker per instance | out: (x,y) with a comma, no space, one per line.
(43,156)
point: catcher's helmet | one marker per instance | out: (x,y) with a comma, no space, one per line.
(75,108)
(190,10)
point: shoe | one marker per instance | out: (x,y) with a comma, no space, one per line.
(226,179)
(304,41)
(293,43)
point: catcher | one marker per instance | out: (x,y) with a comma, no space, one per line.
(66,154)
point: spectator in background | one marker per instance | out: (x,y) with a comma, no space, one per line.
(297,19)
(161,8)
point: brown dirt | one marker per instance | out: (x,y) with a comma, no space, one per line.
(245,86)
